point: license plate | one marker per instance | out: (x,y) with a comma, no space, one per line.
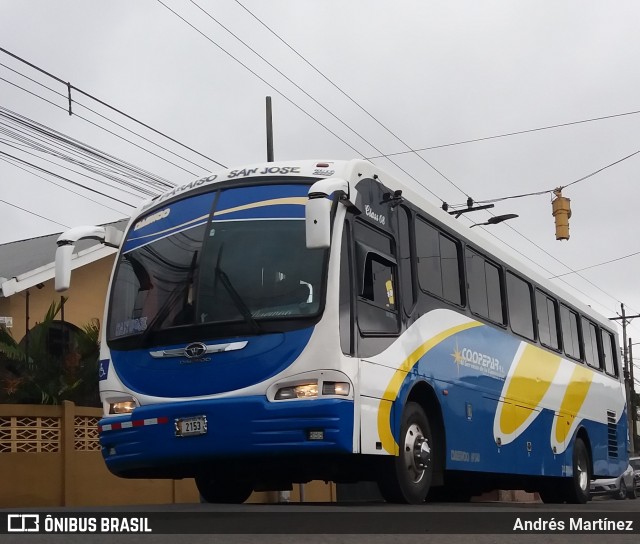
(191,426)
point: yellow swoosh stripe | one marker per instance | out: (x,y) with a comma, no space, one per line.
(529,383)
(391,392)
(573,399)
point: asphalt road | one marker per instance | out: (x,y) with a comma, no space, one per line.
(379,523)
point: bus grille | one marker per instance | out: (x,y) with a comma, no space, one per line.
(612,441)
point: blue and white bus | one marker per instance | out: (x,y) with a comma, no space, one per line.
(288,322)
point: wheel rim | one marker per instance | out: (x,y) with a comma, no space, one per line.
(417,453)
(583,475)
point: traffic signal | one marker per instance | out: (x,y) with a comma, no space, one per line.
(561,213)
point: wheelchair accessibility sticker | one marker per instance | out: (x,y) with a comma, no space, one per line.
(103,369)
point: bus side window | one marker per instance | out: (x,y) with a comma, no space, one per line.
(591,349)
(547,312)
(407,258)
(438,263)
(376,272)
(609,353)
(520,306)
(345,306)
(570,332)
(451,273)
(377,284)
(485,287)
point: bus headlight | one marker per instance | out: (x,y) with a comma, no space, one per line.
(122,407)
(311,390)
(336,388)
(301,391)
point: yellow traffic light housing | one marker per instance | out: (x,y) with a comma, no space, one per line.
(561,213)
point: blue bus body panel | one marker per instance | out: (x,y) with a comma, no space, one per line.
(181,215)
(243,426)
(470,395)
(172,377)
(236,203)
(261,201)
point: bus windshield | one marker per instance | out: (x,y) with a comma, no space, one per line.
(217,273)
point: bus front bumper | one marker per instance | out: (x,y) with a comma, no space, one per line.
(148,441)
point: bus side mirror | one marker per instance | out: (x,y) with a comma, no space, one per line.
(109,236)
(318,223)
(318,210)
(63,267)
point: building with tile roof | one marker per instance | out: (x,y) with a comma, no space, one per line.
(27,273)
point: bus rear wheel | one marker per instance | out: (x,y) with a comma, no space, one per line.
(407,477)
(578,489)
(223,490)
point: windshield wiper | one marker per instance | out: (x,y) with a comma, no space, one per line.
(166,307)
(237,299)
(240,304)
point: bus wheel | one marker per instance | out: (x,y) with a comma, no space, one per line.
(551,495)
(223,490)
(449,494)
(578,491)
(407,477)
(622,492)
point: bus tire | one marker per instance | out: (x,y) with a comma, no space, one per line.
(578,490)
(622,492)
(449,494)
(223,490)
(551,494)
(407,478)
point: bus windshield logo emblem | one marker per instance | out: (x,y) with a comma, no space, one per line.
(195,350)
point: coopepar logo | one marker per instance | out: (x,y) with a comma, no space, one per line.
(477,360)
(152,218)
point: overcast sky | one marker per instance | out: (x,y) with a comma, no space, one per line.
(432,73)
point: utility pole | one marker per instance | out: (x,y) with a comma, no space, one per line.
(269,131)
(632,401)
(628,385)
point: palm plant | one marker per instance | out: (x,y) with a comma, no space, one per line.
(54,362)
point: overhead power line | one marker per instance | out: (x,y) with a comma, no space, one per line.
(464,192)
(33,213)
(597,265)
(548,191)
(98,126)
(294,104)
(260,77)
(99,115)
(508,134)
(9,161)
(600,170)
(52,142)
(297,86)
(109,106)
(21,161)
(572,271)
(414,151)
(149,194)
(333,84)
